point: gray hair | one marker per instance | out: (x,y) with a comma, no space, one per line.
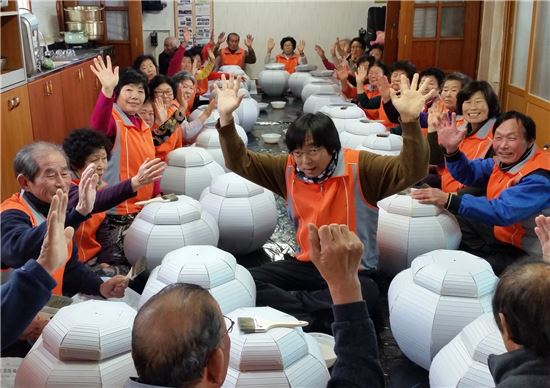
(183,76)
(25,162)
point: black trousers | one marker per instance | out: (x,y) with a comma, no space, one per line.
(297,288)
(478,239)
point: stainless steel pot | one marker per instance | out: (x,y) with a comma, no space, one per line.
(94,30)
(82,13)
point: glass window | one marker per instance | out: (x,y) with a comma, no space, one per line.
(520,52)
(117,25)
(425,22)
(540,76)
(452,22)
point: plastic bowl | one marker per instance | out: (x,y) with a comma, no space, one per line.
(262,105)
(278,104)
(326,343)
(271,138)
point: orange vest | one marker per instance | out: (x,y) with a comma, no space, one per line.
(338,200)
(131,147)
(202,86)
(501,180)
(474,147)
(229,58)
(16,202)
(174,141)
(290,63)
(85,237)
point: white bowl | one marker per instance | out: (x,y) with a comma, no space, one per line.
(262,105)
(278,104)
(326,343)
(271,138)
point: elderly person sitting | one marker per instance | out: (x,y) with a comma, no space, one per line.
(289,57)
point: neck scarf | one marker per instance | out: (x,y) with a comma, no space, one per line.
(323,176)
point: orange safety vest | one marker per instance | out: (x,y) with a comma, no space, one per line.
(85,237)
(17,202)
(474,146)
(290,63)
(501,180)
(229,58)
(174,141)
(202,86)
(338,200)
(131,147)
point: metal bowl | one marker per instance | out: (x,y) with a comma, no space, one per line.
(94,30)
(83,13)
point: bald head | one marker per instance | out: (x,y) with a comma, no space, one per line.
(170,45)
(174,333)
(522,297)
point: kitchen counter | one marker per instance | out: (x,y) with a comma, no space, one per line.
(82,55)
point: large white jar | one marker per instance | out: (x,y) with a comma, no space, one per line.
(213,118)
(236,70)
(343,112)
(209,139)
(274,79)
(297,79)
(319,86)
(317,101)
(382,144)
(248,111)
(356,131)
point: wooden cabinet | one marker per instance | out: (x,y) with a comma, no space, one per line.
(13,72)
(47,110)
(16,132)
(80,91)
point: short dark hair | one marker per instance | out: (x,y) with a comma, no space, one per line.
(457,76)
(80,144)
(174,334)
(233,33)
(522,297)
(381,65)
(159,80)
(434,72)
(25,162)
(130,76)
(486,89)
(142,58)
(359,40)
(406,66)
(288,39)
(529,126)
(365,58)
(377,46)
(321,128)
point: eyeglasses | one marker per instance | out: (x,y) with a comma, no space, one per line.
(163,92)
(312,152)
(229,323)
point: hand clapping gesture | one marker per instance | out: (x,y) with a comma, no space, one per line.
(105,74)
(410,102)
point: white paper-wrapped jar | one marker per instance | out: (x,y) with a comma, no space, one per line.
(84,345)
(162,227)
(407,229)
(246,213)
(431,302)
(463,361)
(248,111)
(189,171)
(382,144)
(274,79)
(317,87)
(209,139)
(284,357)
(236,70)
(355,132)
(213,118)
(209,267)
(297,79)
(342,113)
(315,102)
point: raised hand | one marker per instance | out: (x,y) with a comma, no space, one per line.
(181,98)
(336,253)
(340,49)
(361,75)
(410,102)
(333,50)
(212,37)
(195,66)
(221,38)
(161,111)
(448,135)
(436,115)
(301,46)
(211,55)
(270,45)
(186,35)
(54,252)
(430,196)
(87,190)
(148,172)
(105,74)
(384,87)
(319,50)
(543,233)
(342,70)
(227,97)
(248,41)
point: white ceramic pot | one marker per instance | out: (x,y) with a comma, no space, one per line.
(355,132)
(209,139)
(322,75)
(297,79)
(274,79)
(248,112)
(341,113)
(237,70)
(382,144)
(213,117)
(318,86)
(317,101)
